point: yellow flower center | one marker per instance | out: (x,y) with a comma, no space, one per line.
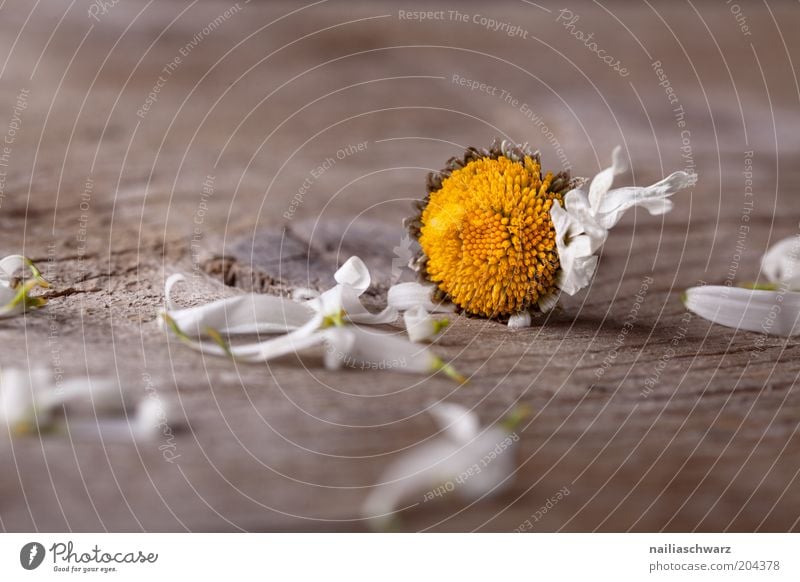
(489,238)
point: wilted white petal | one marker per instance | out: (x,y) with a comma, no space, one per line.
(263,351)
(243,314)
(383,351)
(338,346)
(582,223)
(457,423)
(149,420)
(770,312)
(404,296)
(546,303)
(321,319)
(105,395)
(652,198)
(601,183)
(154,416)
(19,396)
(445,463)
(781,263)
(575,249)
(420,326)
(10,266)
(520,320)
(354,273)
(30,398)
(357,313)
(7,306)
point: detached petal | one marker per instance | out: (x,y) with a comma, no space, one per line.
(19,396)
(355,274)
(31,400)
(11,265)
(770,312)
(16,300)
(520,320)
(405,296)
(781,263)
(456,422)
(242,314)
(379,350)
(465,460)
(357,313)
(420,326)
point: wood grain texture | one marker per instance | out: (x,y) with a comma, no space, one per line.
(679,425)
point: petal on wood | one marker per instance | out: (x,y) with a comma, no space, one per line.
(770,312)
(781,263)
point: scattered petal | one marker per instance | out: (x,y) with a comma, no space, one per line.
(32,402)
(11,265)
(456,422)
(405,296)
(243,314)
(520,320)
(446,463)
(370,349)
(781,263)
(355,274)
(771,312)
(420,326)
(309,321)
(18,277)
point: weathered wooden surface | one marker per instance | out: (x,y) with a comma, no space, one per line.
(257,104)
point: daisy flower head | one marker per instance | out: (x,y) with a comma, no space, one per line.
(501,238)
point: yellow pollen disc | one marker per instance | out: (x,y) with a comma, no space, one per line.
(489,238)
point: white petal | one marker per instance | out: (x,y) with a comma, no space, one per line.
(263,351)
(382,351)
(30,397)
(457,422)
(420,326)
(155,416)
(354,273)
(18,395)
(768,312)
(548,302)
(7,296)
(781,263)
(576,272)
(10,266)
(106,396)
(520,320)
(582,224)
(339,344)
(602,182)
(357,313)
(652,198)
(242,314)
(577,239)
(443,465)
(407,479)
(404,296)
